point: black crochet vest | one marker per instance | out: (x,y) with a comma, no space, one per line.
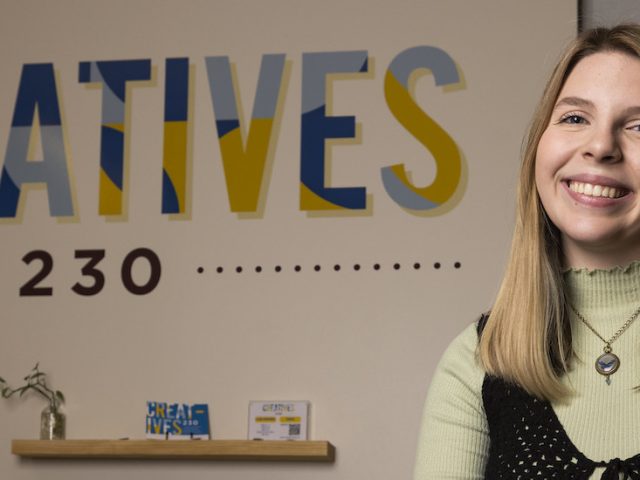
(527,440)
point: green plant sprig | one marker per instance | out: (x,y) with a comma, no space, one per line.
(35,381)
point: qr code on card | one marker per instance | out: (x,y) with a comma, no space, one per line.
(294,429)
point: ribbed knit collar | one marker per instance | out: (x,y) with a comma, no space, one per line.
(605,296)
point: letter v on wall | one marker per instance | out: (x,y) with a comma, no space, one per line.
(245,163)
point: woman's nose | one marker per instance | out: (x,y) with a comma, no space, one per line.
(603,145)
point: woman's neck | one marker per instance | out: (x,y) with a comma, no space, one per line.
(601,294)
(593,257)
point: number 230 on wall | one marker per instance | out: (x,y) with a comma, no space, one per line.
(93,278)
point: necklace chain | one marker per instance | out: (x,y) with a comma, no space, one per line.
(608,363)
(616,335)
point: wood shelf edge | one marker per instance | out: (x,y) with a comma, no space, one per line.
(239,450)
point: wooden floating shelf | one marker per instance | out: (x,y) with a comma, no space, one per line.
(239,450)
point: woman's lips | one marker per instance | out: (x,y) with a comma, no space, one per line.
(596,190)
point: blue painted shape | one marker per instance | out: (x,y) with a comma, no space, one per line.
(226,126)
(170,202)
(176,94)
(111,149)
(37,88)
(315,128)
(9,195)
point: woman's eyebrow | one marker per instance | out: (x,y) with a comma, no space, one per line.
(574,102)
(584,103)
(633,110)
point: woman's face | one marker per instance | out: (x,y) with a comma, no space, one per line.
(588,162)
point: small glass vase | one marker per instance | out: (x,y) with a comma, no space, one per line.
(52,424)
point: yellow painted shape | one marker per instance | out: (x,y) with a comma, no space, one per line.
(110,201)
(244,167)
(310,201)
(174,160)
(430,134)
(115,126)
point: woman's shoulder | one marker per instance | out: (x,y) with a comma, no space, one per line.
(454,424)
(462,351)
(459,372)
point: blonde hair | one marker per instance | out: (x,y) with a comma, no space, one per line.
(527,338)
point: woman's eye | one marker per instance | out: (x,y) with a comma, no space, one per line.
(573,119)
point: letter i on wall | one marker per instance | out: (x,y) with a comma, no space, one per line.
(113,75)
(176,127)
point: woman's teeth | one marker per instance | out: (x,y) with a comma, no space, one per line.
(596,190)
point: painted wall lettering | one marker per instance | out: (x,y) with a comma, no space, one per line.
(176,126)
(36,92)
(316,127)
(445,151)
(245,156)
(113,75)
(244,161)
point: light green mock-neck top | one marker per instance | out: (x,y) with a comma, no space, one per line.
(603,421)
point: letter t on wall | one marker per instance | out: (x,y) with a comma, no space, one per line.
(114,76)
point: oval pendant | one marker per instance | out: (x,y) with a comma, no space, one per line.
(607,364)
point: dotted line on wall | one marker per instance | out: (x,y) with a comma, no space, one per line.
(318,268)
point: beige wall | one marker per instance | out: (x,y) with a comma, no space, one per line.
(359,345)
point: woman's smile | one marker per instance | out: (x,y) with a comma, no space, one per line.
(597,188)
(597,191)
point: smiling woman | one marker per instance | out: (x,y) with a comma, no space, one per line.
(544,385)
(588,163)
